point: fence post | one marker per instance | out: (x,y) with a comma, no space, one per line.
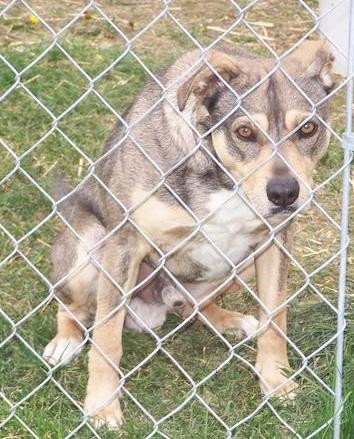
(348,145)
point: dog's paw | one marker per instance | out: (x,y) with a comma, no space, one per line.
(287,391)
(248,326)
(242,326)
(109,416)
(62,350)
(276,384)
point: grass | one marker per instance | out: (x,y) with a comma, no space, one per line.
(232,393)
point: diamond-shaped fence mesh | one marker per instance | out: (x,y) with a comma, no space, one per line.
(70,72)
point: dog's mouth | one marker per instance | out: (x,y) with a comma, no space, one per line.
(282,210)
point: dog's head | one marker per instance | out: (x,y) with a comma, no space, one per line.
(272,138)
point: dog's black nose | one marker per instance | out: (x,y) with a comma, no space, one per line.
(283,191)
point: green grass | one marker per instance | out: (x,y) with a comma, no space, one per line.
(233,392)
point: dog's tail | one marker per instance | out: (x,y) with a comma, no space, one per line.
(73,203)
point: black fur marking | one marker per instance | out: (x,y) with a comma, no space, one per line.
(210,102)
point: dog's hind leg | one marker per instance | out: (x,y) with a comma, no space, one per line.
(68,341)
(77,293)
(226,321)
(223,320)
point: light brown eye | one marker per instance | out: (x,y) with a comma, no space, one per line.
(308,129)
(245,132)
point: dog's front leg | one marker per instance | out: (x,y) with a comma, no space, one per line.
(121,260)
(272,357)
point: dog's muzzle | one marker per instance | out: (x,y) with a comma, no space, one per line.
(283,192)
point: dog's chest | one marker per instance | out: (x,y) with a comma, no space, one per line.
(232,231)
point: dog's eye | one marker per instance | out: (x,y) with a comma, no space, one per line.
(244,132)
(308,129)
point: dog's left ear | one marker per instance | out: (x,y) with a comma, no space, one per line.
(204,82)
(316,60)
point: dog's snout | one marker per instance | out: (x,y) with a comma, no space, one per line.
(283,191)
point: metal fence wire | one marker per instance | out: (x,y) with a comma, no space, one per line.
(14,406)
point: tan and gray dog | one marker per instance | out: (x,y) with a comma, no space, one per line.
(211,140)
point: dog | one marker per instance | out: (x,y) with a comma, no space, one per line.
(198,190)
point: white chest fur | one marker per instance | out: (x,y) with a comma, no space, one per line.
(231,228)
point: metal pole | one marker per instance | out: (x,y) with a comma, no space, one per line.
(348,145)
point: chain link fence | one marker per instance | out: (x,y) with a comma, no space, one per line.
(44,407)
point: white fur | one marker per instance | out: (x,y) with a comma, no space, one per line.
(230,229)
(62,350)
(152,314)
(249,325)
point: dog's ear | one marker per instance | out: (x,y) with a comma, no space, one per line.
(316,60)
(204,82)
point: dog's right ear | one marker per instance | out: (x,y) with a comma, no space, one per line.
(204,83)
(316,61)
